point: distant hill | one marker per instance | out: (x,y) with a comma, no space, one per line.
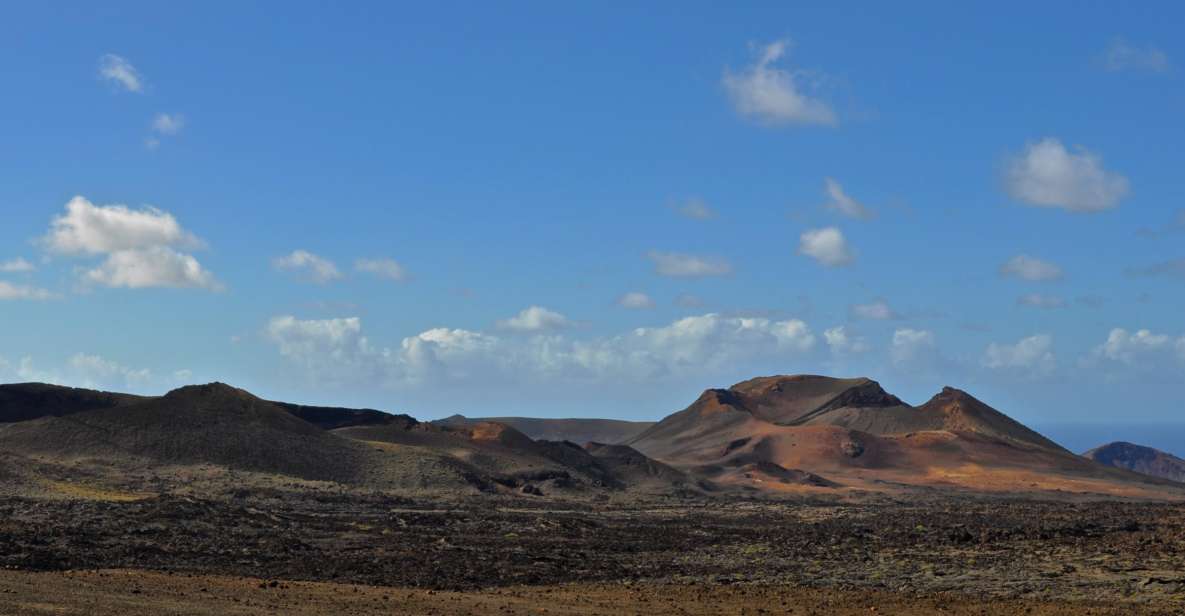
(578,431)
(1139,459)
(24,401)
(332,417)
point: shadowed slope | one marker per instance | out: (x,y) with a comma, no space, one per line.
(214,424)
(25,401)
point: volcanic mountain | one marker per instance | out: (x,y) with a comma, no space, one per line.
(852,432)
(1140,459)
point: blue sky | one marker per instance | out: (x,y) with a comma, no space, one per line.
(597,210)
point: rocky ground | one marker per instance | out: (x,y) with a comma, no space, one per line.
(141,593)
(1123,556)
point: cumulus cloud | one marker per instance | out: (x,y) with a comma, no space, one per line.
(117,70)
(9,291)
(535,319)
(157,266)
(1130,347)
(678,265)
(1031,269)
(843,342)
(1033,355)
(16,265)
(841,202)
(90,229)
(770,94)
(827,246)
(635,300)
(694,208)
(335,350)
(910,346)
(876,310)
(1122,56)
(383,268)
(139,246)
(308,266)
(1046,174)
(1038,300)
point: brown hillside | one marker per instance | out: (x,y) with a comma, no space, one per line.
(853,433)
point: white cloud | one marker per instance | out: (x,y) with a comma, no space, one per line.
(86,370)
(843,203)
(184,375)
(1037,300)
(335,350)
(1033,355)
(635,300)
(1128,347)
(93,371)
(687,300)
(16,265)
(841,342)
(326,346)
(827,246)
(26,371)
(535,319)
(1120,56)
(1046,174)
(876,310)
(309,266)
(139,246)
(157,266)
(120,72)
(10,291)
(774,95)
(1031,269)
(86,228)
(695,208)
(383,268)
(168,124)
(688,266)
(911,345)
